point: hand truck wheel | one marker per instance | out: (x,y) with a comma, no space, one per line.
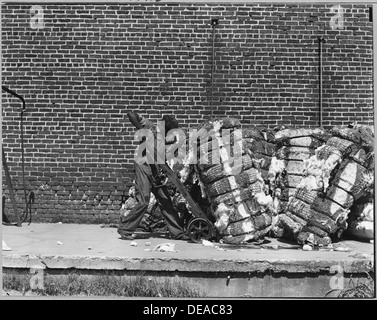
(200,229)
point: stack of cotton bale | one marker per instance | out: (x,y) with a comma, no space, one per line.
(293,147)
(336,176)
(361,217)
(232,182)
(261,144)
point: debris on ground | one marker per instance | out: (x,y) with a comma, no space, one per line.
(340,247)
(207,243)
(59,243)
(133,244)
(307,247)
(109,225)
(165,247)
(5,247)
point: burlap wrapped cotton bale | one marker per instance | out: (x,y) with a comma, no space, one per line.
(335,177)
(229,183)
(202,141)
(361,135)
(211,173)
(261,147)
(360,182)
(202,162)
(240,231)
(359,161)
(293,147)
(361,221)
(303,137)
(233,184)
(361,151)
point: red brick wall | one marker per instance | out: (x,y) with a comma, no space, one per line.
(90,64)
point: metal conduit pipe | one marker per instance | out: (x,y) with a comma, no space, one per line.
(320,41)
(22,148)
(214,23)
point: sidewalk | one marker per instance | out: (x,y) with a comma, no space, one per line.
(90,247)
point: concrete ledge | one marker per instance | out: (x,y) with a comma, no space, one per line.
(185,265)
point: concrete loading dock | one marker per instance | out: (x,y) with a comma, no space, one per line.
(241,272)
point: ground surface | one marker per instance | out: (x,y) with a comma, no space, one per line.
(103,247)
(274,269)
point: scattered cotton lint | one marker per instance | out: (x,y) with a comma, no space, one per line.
(276,167)
(263,199)
(222,217)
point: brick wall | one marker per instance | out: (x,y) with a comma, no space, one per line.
(90,64)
